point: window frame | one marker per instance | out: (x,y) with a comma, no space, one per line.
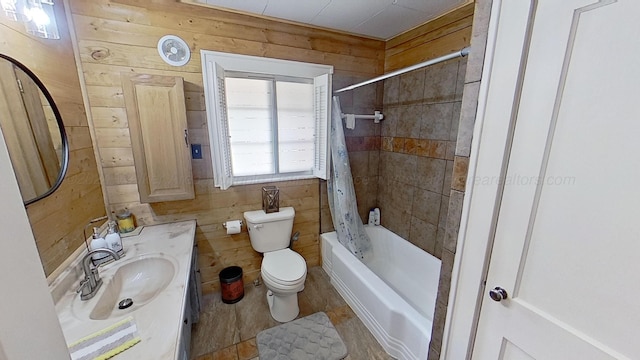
(215,65)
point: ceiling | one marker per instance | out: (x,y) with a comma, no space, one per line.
(380,19)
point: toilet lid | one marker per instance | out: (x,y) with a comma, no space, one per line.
(284,265)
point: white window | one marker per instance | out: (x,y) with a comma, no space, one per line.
(268,119)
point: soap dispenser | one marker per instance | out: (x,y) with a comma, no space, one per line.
(114,242)
(98,242)
(372,217)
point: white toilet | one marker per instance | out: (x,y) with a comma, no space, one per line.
(283,270)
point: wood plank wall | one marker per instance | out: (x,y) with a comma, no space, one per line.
(115,37)
(444,35)
(58,221)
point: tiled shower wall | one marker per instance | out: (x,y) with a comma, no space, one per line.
(468,110)
(418,139)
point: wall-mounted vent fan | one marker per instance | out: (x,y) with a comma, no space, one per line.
(173,50)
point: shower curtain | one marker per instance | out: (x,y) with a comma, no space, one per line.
(342,197)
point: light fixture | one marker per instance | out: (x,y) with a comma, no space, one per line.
(37,15)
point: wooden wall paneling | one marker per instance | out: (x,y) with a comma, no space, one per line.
(83,161)
(198,135)
(113,137)
(121,175)
(446,34)
(194,100)
(106,117)
(30,51)
(60,200)
(105,96)
(109,75)
(430,50)
(443,31)
(124,193)
(203,168)
(250,37)
(103,52)
(52,255)
(52,233)
(78,137)
(74,114)
(114,157)
(310,254)
(123,54)
(197,119)
(57,227)
(210,20)
(431,26)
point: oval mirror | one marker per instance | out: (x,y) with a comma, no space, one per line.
(33,130)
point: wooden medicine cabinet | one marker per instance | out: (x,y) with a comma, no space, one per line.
(157,119)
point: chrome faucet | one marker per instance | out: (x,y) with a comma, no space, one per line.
(92,281)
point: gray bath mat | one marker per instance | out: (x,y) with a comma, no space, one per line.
(312,337)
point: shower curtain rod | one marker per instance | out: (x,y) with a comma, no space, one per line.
(461,53)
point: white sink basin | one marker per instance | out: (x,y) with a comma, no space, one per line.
(140,280)
(154,273)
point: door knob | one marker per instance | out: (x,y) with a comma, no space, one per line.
(498,294)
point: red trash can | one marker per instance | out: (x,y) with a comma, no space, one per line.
(231,285)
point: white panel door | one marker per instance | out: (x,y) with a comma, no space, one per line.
(567,241)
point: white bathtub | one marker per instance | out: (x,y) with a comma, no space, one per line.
(393,291)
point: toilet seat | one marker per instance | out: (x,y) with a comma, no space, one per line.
(284,268)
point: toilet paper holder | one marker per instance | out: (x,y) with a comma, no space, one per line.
(224,224)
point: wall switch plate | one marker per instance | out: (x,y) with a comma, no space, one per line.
(196,151)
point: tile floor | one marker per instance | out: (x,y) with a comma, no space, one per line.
(228,331)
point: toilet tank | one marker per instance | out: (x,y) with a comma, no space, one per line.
(272,231)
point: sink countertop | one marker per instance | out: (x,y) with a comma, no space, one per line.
(160,321)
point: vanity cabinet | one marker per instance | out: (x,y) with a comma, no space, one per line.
(192,306)
(195,287)
(185,339)
(157,118)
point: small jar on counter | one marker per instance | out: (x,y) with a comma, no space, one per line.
(125,221)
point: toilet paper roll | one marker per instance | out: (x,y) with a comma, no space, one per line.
(233,226)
